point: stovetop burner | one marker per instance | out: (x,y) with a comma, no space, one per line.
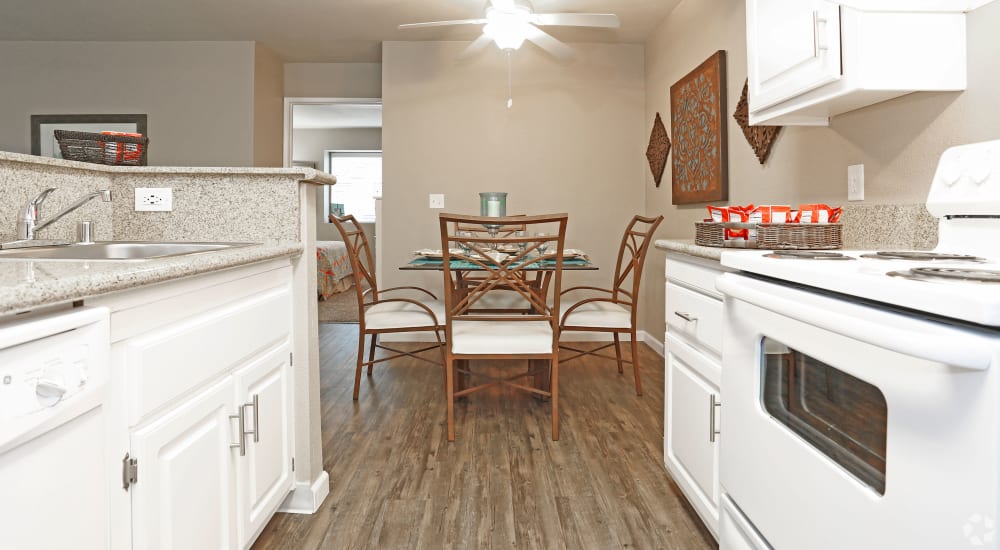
(921,255)
(806,255)
(948,274)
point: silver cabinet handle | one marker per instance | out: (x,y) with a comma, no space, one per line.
(686,316)
(712,428)
(240,431)
(253,405)
(256,418)
(241,416)
(818,44)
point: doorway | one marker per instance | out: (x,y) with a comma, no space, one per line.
(343,137)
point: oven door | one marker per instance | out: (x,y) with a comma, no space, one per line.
(850,426)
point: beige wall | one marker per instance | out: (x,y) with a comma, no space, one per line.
(346,80)
(898,141)
(268,107)
(197,95)
(310,145)
(572,143)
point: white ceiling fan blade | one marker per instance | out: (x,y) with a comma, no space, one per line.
(605,20)
(503,5)
(548,43)
(476,46)
(443,23)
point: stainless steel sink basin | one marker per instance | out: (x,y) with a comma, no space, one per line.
(115,250)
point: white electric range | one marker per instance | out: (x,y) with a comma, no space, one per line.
(861,390)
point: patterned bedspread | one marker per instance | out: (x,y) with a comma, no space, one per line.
(333,268)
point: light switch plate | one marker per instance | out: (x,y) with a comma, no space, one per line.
(856,182)
(436,201)
(154,199)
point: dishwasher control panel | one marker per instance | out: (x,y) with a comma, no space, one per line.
(39,375)
(49,359)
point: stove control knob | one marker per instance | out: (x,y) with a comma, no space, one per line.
(951,170)
(979,167)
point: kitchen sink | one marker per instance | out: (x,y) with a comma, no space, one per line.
(115,250)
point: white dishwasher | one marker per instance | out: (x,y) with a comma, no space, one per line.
(53,391)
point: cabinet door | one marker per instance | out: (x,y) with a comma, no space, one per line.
(264,475)
(793,46)
(184,495)
(691,450)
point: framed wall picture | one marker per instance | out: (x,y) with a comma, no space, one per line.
(698,125)
(43,141)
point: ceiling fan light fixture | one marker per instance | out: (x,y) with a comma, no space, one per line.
(507,28)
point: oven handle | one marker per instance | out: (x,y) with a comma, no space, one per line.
(943,345)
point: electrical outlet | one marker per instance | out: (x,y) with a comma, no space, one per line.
(154,199)
(856,182)
(436,201)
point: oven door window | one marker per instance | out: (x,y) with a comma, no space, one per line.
(840,415)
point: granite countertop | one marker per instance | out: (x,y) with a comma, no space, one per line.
(309,175)
(27,284)
(687,246)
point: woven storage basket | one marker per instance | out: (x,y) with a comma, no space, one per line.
(772,236)
(100,148)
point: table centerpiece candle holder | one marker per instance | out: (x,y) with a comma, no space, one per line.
(492,205)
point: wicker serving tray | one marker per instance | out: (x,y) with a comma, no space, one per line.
(772,236)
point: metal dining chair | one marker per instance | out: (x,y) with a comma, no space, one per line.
(530,335)
(381,315)
(498,301)
(615,310)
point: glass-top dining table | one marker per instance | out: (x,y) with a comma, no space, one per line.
(543,270)
(422,263)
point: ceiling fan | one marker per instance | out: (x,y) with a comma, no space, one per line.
(508,23)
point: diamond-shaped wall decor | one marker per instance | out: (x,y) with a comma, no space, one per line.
(761,138)
(659,148)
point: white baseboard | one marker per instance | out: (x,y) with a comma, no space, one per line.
(307,497)
(642,336)
(653,343)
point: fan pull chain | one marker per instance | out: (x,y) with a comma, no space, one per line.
(510,93)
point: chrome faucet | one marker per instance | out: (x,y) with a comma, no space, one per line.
(28,224)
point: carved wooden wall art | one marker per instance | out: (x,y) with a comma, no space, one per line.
(761,138)
(659,148)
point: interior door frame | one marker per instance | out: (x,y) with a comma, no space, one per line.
(287,155)
(291,102)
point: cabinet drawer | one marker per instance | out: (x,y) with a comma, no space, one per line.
(694,275)
(696,316)
(166,363)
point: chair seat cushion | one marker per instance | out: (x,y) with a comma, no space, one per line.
(500,337)
(394,315)
(597,314)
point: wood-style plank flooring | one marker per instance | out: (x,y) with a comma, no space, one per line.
(395,482)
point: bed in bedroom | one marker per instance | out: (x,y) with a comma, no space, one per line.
(333,268)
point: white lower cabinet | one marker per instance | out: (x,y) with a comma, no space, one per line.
(264,474)
(201,393)
(185,496)
(693,371)
(692,431)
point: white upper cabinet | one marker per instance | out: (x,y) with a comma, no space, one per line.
(809,60)
(804,55)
